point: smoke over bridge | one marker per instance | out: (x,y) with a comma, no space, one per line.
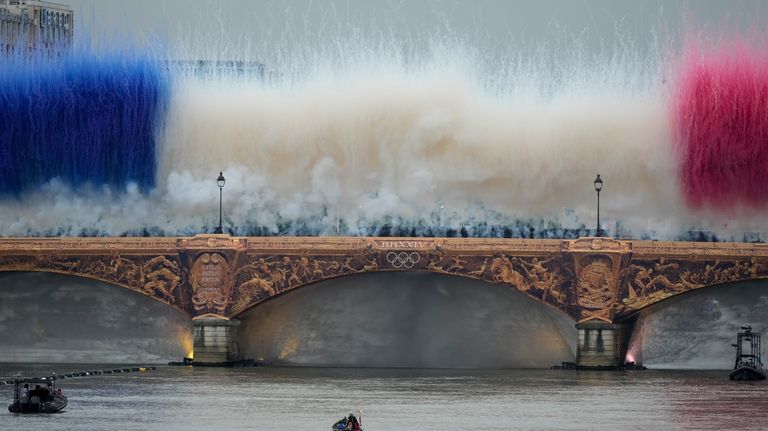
(359,139)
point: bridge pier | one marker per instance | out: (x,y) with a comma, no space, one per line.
(601,345)
(214,341)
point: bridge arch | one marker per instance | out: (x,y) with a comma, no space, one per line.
(695,329)
(158,277)
(661,297)
(548,278)
(646,282)
(54,317)
(132,287)
(266,293)
(428,319)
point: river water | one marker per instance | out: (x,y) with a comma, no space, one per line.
(182,398)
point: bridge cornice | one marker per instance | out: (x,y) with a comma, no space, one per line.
(149,245)
(697,250)
(89,245)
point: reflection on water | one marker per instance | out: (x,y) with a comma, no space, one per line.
(399,399)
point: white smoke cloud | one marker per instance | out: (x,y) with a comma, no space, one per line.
(371,146)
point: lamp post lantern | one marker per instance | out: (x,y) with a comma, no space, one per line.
(598,187)
(220,182)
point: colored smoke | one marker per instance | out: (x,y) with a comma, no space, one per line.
(379,137)
(80,118)
(721,116)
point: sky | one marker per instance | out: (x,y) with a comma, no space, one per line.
(255,25)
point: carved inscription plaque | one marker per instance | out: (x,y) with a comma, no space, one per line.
(210,283)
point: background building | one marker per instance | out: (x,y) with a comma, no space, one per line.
(33,24)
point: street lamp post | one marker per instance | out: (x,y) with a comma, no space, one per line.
(598,187)
(220,182)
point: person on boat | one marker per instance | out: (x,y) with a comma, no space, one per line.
(341,425)
(355,424)
(25,394)
(352,423)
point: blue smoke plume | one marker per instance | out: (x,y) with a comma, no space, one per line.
(81,117)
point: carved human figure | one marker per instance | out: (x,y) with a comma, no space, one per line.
(291,271)
(302,268)
(643,278)
(317,269)
(537,272)
(371,265)
(161,277)
(479,272)
(504,272)
(162,281)
(257,287)
(755,268)
(553,290)
(434,262)
(456,264)
(347,265)
(710,273)
(123,269)
(660,266)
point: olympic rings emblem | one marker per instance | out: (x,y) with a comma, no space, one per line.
(403,259)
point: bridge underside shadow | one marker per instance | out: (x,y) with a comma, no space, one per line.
(695,330)
(407,319)
(54,318)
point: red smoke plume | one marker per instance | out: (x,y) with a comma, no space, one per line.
(721,118)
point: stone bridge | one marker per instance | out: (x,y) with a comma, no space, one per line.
(599,282)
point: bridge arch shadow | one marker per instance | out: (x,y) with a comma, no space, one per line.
(661,297)
(556,295)
(695,329)
(407,319)
(51,317)
(165,298)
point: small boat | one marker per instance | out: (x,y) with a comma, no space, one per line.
(748,364)
(37,395)
(347,423)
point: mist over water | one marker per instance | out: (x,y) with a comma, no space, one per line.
(408,320)
(62,319)
(696,330)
